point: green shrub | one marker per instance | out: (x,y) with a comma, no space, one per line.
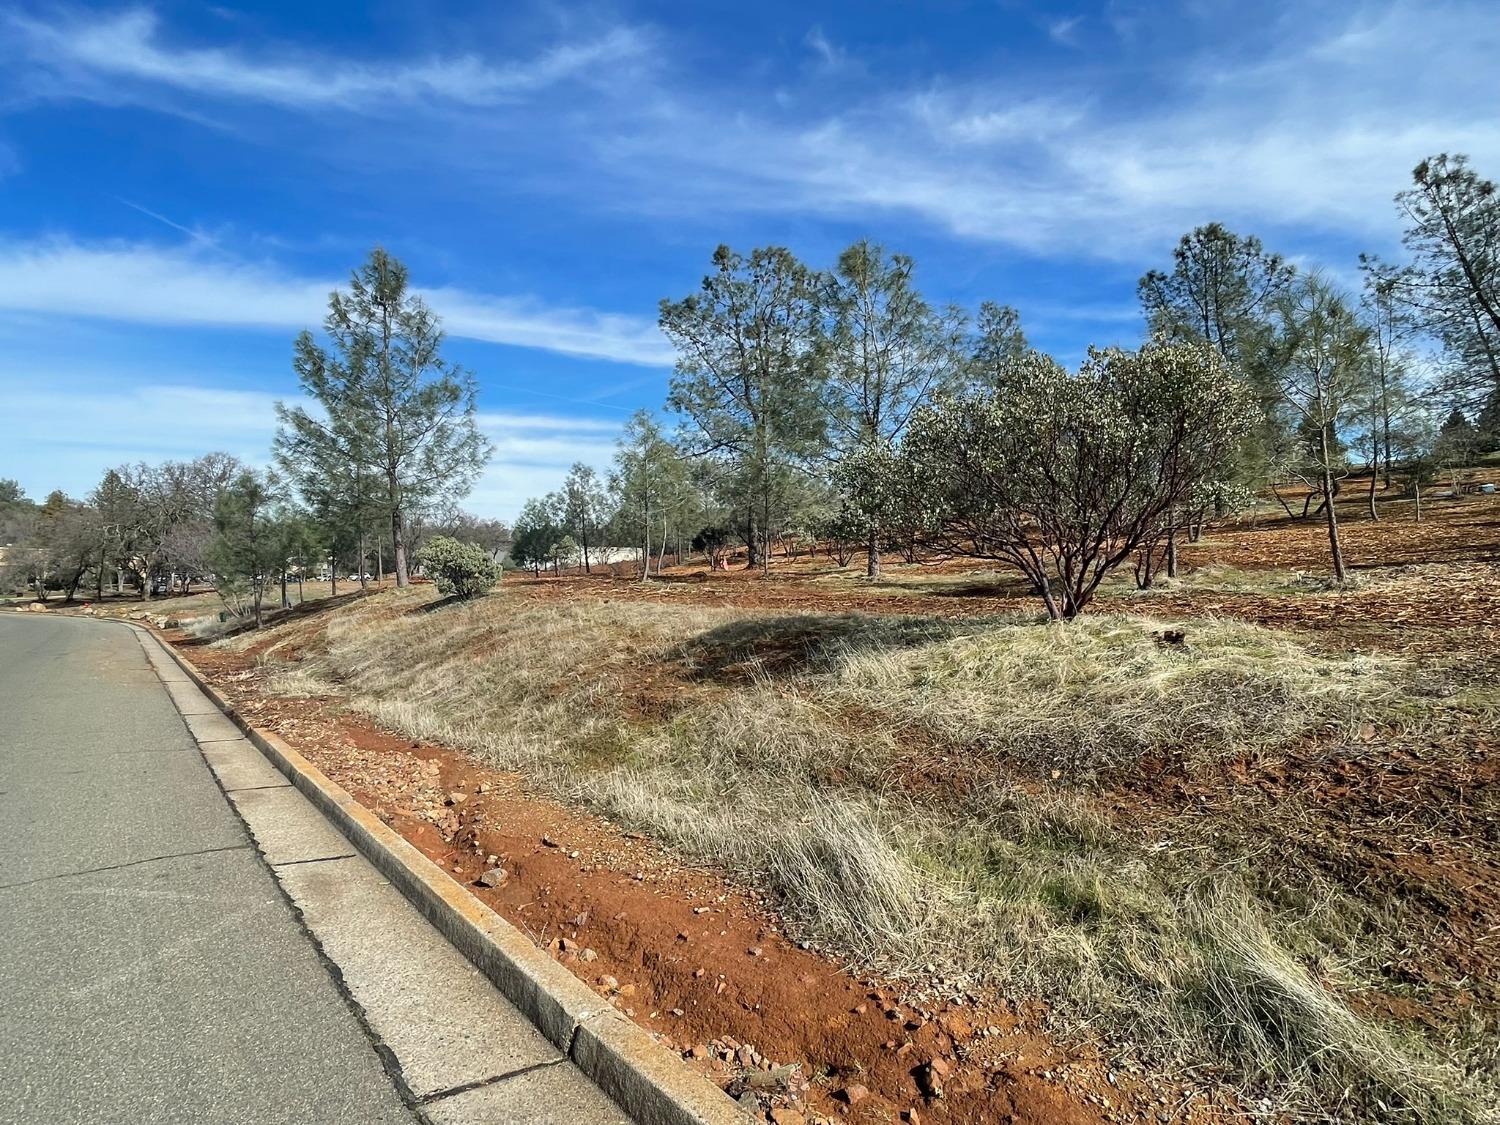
(458,570)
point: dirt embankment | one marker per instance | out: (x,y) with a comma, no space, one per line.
(705,965)
(701,962)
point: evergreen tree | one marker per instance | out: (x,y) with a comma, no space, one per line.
(887,353)
(249,549)
(1452,284)
(1487,425)
(1220,292)
(1458,440)
(583,509)
(1320,356)
(748,378)
(395,415)
(651,488)
(534,534)
(1389,388)
(1065,476)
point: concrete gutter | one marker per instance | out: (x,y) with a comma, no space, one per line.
(650,1083)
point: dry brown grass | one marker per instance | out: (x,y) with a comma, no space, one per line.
(1102,693)
(774,748)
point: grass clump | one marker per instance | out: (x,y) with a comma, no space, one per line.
(1102,693)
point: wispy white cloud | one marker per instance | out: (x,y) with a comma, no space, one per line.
(1306,128)
(110,422)
(1064,31)
(129,46)
(1312,133)
(527,323)
(502,420)
(831,57)
(148,284)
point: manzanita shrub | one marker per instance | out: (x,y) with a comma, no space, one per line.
(1064,475)
(458,570)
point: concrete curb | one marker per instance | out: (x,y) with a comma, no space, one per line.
(646,1080)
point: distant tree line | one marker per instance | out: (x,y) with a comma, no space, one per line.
(837,409)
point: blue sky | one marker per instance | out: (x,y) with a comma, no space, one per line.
(181,184)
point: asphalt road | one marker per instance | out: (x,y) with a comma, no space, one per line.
(151,970)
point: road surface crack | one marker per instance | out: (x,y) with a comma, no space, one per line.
(428,1099)
(120,866)
(315,859)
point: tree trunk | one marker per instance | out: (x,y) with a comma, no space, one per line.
(765,530)
(1053,612)
(398,547)
(1386,417)
(1328,507)
(1172,548)
(1374,515)
(1145,568)
(363,585)
(646,553)
(1417,497)
(1072,606)
(286,602)
(872,554)
(1280,499)
(752,543)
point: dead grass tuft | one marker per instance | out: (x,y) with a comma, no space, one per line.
(1101,693)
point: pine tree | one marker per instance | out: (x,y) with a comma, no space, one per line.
(1320,356)
(396,416)
(1220,292)
(887,352)
(748,378)
(250,544)
(582,509)
(651,487)
(1452,285)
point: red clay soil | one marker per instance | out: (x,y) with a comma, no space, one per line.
(1408,824)
(701,962)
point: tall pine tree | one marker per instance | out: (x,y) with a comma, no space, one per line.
(396,417)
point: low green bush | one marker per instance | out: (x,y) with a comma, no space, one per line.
(458,570)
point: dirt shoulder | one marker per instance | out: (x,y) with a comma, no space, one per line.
(701,962)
